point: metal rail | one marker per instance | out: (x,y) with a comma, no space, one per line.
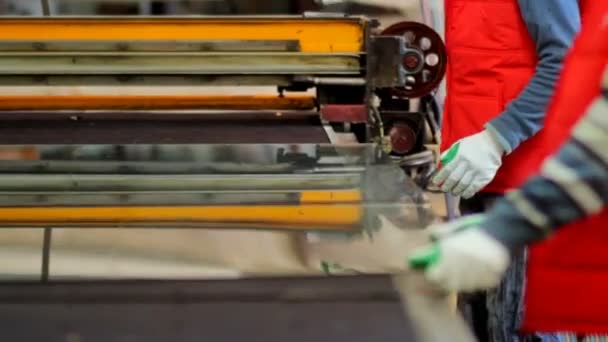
(203,198)
(154,102)
(127,183)
(145,80)
(187,63)
(168,168)
(39,46)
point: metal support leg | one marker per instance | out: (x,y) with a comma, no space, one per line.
(46,254)
(46,7)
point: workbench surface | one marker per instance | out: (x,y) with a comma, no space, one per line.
(361,308)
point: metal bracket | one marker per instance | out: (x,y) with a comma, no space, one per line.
(324,15)
(355,113)
(387,53)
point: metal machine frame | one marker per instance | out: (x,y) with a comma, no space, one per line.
(333,74)
(345,58)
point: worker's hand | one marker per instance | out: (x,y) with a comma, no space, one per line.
(462,257)
(469,164)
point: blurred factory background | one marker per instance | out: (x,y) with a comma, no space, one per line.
(211,7)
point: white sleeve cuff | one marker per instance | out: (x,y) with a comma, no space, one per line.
(499,138)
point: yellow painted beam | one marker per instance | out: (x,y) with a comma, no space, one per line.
(318,35)
(330,209)
(317,215)
(337,197)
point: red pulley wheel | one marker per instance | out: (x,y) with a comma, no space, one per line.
(424,39)
(403,138)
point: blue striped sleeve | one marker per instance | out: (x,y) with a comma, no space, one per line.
(552,24)
(573,184)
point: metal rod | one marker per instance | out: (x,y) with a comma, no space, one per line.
(65,198)
(170,169)
(46,7)
(170,225)
(208,198)
(138,167)
(149,46)
(40,183)
(145,80)
(46,254)
(187,63)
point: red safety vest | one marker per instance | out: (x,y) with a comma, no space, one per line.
(491,58)
(567,276)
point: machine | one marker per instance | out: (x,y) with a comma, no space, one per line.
(328,70)
(137,197)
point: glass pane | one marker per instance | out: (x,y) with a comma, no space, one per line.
(21,254)
(128,211)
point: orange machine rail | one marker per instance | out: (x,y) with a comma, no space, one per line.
(341,210)
(336,35)
(150,102)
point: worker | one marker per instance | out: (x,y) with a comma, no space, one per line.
(565,287)
(504,57)
(473,252)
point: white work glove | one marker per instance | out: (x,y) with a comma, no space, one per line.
(462,257)
(469,164)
